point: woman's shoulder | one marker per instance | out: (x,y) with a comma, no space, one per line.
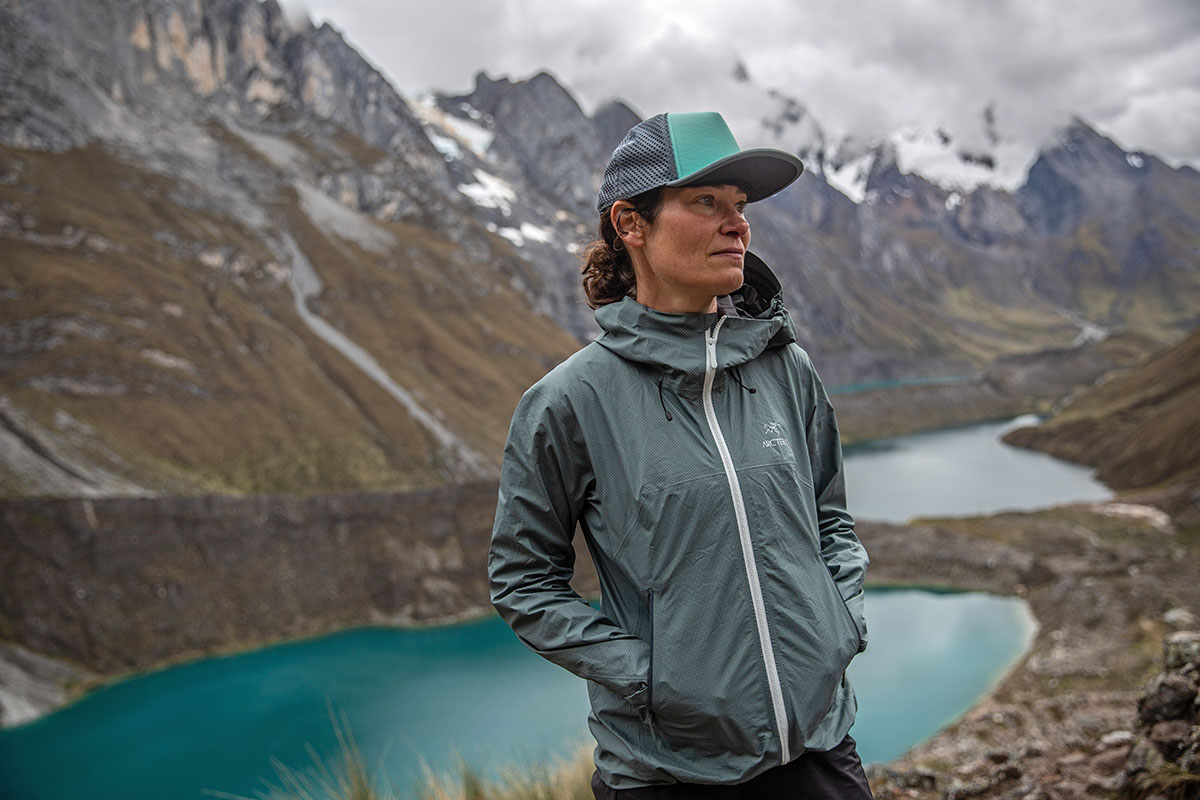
(790,356)
(565,384)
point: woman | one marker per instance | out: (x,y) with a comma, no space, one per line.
(694,446)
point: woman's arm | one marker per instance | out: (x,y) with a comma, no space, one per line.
(543,485)
(843,553)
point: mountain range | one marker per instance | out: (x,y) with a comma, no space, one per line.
(236,260)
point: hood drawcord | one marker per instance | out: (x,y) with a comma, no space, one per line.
(662,401)
(733,371)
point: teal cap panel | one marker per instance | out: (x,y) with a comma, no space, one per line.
(698,140)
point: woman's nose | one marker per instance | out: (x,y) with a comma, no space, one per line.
(736,223)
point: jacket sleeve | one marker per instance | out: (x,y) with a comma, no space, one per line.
(843,553)
(544,482)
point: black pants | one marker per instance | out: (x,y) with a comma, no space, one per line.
(833,775)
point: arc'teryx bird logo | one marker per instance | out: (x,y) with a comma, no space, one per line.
(774,433)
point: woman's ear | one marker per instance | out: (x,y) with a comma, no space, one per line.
(626,222)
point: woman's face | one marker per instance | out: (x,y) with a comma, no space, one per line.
(693,251)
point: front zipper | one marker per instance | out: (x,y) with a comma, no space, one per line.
(739,510)
(650,672)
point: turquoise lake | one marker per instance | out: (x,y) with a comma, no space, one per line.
(960,471)
(419,695)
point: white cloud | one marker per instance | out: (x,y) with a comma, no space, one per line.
(865,67)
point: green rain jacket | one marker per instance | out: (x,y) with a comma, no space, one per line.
(699,455)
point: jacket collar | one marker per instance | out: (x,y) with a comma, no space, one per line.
(673,344)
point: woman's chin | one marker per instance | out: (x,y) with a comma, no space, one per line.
(730,283)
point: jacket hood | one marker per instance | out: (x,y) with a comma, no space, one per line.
(674,343)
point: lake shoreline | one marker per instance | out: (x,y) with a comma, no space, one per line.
(1100,583)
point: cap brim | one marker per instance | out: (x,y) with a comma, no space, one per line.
(761,172)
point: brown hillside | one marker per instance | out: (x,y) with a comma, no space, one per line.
(1141,428)
(153,337)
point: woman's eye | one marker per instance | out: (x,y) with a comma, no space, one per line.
(707,199)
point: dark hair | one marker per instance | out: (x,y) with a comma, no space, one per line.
(608,272)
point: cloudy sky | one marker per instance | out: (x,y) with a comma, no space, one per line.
(1132,70)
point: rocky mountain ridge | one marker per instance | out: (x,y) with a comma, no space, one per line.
(236,260)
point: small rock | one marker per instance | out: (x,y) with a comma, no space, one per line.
(972,789)
(1179,617)
(918,779)
(1111,761)
(1169,737)
(1008,772)
(1180,648)
(1071,759)
(1143,758)
(1030,751)
(1067,790)
(1106,786)
(1116,739)
(1169,696)
(1190,760)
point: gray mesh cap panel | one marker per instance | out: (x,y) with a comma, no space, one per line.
(644,160)
(655,150)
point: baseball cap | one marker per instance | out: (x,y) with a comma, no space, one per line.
(691,149)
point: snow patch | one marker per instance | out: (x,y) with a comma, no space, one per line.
(450,133)
(526,233)
(1135,161)
(850,178)
(536,234)
(488,191)
(954,201)
(476,137)
(445,145)
(513,235)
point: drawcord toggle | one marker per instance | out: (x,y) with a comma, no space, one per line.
(738,380)
(662,401)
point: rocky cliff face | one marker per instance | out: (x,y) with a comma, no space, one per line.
(120,584)
(236,260)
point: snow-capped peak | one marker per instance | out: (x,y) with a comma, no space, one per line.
(955,160)
(940,158)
